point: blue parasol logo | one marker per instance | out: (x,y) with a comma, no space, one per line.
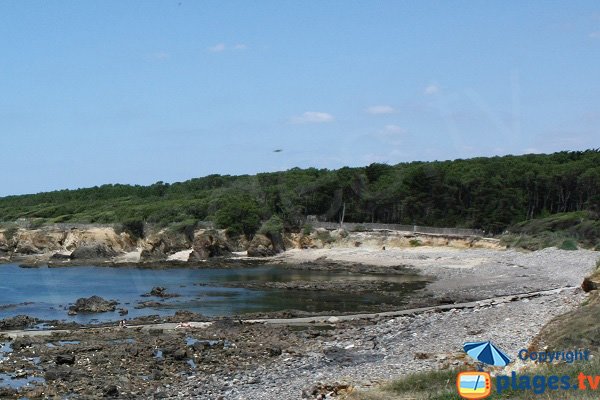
(487,353)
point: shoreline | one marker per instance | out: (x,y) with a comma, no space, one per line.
(281,359)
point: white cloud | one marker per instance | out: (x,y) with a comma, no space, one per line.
(594,35)
(431,89)
(240,46)
(217,48)
(377,110)
(312,117)
(394,129)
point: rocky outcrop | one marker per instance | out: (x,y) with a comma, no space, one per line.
(18,322)
(210,243)
(158,246)
(94,304)
(159,291)
(266,245)
(93,252)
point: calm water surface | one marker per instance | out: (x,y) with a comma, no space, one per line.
(46,293)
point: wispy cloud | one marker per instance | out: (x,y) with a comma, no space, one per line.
(312,117)
(431,89)
(217,48)
(378,110)
(393,130)
(221,47)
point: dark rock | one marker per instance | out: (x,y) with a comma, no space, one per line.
(590,284)
(18,322)
(62,359)
(93,252)
(111,391)
(274,351)
(148,304)
(159,291)
(62,372)
(60,257)
(94,304)
(179,354)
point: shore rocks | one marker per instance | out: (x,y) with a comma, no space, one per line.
(63,359)
(159,291)
(93,252)
(94,304)
(18,322)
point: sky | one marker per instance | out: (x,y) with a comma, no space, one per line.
(95,92)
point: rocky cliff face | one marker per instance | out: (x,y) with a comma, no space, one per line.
(103,244)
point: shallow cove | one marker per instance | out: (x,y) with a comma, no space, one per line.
(46,293)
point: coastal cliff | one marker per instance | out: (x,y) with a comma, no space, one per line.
(103,244)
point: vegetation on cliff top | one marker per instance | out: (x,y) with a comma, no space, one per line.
(487,193)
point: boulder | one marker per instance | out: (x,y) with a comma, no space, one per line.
(94,304)
(93,252)
(158,246)
(210,243)
(159,291)
(266,245)
(65,359)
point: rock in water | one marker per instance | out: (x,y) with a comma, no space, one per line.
(94,304)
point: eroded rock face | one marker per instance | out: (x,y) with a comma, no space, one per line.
(158,246)
(210,243)
(94,304)
(266,245)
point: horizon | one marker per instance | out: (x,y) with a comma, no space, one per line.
(137,93)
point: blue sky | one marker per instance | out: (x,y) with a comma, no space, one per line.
(95,92)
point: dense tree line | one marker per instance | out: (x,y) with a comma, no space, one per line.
(487,193)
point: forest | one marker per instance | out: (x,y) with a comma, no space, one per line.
(490,193)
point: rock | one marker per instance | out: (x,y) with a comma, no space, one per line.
(209,243)
(159,246)
(263,246)
(93,252)
(62,372)
(94,304)
(60,257)
(148,304)
(590,284)
(179,354)
(159,291)
(123,311)
(67,359)
(111,391)
(333,320)
(18,322)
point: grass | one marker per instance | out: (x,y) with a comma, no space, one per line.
(441,385)
(564,230)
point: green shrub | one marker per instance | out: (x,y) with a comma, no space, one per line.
(272,226)
(307,229)
(134,228)
(359,228)
(568,244)
(325,237)
(414,242)
(10,232)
